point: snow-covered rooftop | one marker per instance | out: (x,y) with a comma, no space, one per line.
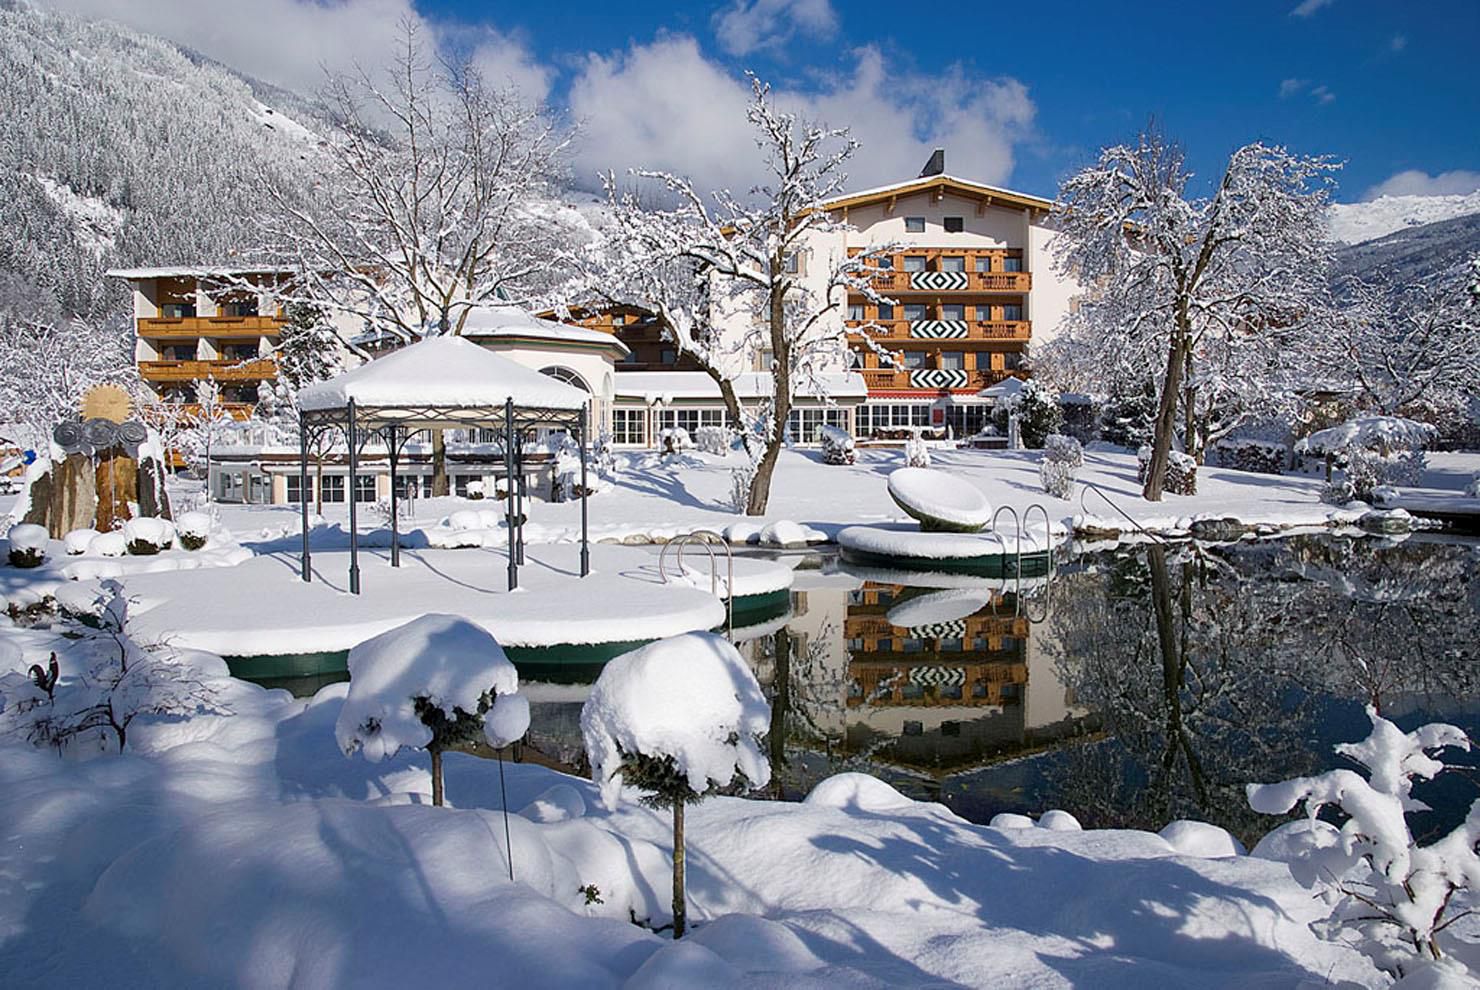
(487,322)
(443,372)
(927,181)
(669,385)
(194,271)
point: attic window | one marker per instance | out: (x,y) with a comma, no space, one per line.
(954,225)
(914,225)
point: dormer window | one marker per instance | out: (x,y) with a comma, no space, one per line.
(914,225)
(954,225)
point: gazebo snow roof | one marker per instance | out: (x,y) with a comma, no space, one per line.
(445,374)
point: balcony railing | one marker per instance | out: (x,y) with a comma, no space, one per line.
(208,326)
(893,280)
(222,370)
(936,379)
(946,329)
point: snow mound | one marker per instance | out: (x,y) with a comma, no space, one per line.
(507,721)
(1296,840)
(1009,820)
(27,536)
(683,966)
(689,698)
(159,533)
(784,533)
(937,607)
(113,544)
(756,944)
(1190,838)
(1059,821)
(856,792)
(939,500)
(443,658)
(560,803)
(77,541)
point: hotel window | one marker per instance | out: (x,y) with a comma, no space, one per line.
(239,393)
(1012,312)
(952,311)
(793,264)
(914,359)
(984,262)
(239,352)
(803,424)
(953,262)
(333,488)
(364,488)
(629,426)
(885,261)
(177,310)
(295,489)
(914,262)
(954,225)
(668,356)
(953,360)
(914,311)
(178,352)
(239,307)
(886,311)
(855,312)
(684,419)
(1011,264)
(914,225)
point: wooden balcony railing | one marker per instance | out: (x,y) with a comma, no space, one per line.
(221,370)
(946,331)
(932,379)
(209,326)
(943,283)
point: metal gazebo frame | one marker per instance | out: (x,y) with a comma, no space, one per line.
(395,425)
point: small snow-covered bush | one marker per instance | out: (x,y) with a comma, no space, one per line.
(678,720)
(77,541)
(193,529)
(1389,896)
(1181,476)
(112,544)
(674,440)
(837,445)
(1062,459)
(431,684)
(741,478)
(1250,454)
(27,545)
(475,490)
(1081,417)
(916,453)
(148,536)
(1375,451)
(714,440)
(1473,489)
(1038,412)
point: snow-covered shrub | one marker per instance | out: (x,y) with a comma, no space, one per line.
(112,544)
(1251,454)
(714,440)
(678,720)
(674,440)
(1128,420)
(1374,451)
(1389,896)
(1081,417)
(475,490)
(1038,412)
(193,529)
(77,541)
(741,478)
(146,537)
(1181,476)
(916,453)
(1473,489)
(1062,459)
(837,445)
(433,683)
(27,545)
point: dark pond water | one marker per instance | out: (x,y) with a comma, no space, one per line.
(1135,687)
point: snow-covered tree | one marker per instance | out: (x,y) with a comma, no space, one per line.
(309,349)
(1393,895)
(45,368)
(677,720)
(1202,292)
(435,683)
(208,423)
(739,260)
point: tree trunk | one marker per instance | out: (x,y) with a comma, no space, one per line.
(1191,435)
(439,463)
(680,908)
(780,704)
(436,776)
(760,485)
(1166,423)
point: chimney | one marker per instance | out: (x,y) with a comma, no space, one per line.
(936,165)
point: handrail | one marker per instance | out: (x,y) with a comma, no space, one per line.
(706,538)
(1090,486)
(1017,524)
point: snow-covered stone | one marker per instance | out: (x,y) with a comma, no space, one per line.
(78,540)
(785,533)
(1008,819)
(113,544)
(1297,840)
(940,501)
(856,791)
(1059,821)
(1192,838)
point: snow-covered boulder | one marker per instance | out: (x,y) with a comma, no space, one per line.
(940,501)
(193,529)
(689,700)
(1191,838)
(857,792)
(1008,819)
(1059,821)
(742,533)
(784,533)
(77,541)
(559,803)
(27,545)
(756,944)
(1297,840)
(113,544)
(148,536)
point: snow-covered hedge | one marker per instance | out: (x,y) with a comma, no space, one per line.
(1250,454)
(148,536)
(1062,459)
(1181,476)
(27,545)
(837,445)
(714,440)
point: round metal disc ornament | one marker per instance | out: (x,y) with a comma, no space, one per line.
(100,433)
(68,435)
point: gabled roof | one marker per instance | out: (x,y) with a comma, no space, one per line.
(509,322)
(993,195)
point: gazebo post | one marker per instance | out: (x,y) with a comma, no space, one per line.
(585,520)
(354,535)
(303,492)
(521,482)
(511,495)
(392,456)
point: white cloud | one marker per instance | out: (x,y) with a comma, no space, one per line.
(1397,43)
(1289,87)
(290,42)
(1292,87)
(1322,94)
(744,27)
(1308,8)
(1460,182)
(665,106)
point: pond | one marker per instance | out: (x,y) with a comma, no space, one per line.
(1133,687)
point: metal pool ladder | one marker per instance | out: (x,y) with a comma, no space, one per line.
(706,538)
(1020,532)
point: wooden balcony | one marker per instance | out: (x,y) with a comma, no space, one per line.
(945,332)
(220,370)
(903,283)
(209,326)
(932,379)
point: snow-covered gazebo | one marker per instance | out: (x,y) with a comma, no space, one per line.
(439,383)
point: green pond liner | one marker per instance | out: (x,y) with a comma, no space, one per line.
(992,565)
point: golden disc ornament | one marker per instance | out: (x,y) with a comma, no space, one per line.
(106,402)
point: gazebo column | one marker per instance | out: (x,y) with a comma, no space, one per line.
(511,497)
(303,492)
(392,455)
(585,519)
(354,534)
(521,481)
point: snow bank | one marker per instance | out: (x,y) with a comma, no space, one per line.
(939,500)
(857,791)
(447,660)
(689,698)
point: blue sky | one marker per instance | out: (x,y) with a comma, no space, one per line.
(1019,94)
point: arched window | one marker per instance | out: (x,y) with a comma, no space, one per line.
(560,374)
